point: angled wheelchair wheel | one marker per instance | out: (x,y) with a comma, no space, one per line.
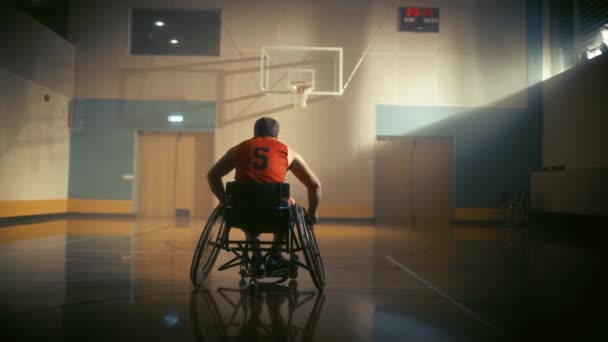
(208,247)
(316,254)
(310,249)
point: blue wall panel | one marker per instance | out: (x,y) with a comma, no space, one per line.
(102,143)
(494,149)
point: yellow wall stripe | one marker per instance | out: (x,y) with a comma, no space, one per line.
(100,206)
(482,234)
(476,214)
(41,207)
(33,207)
(336,211)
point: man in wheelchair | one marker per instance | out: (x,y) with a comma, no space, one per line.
(264,159)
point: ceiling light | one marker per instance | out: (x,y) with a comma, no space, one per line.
(159,23)
(174,41)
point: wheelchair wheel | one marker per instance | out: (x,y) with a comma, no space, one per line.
(310,249)
(316,253)
(208,247)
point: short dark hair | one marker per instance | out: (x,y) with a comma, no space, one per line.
(266,127)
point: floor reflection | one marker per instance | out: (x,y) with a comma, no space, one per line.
(267,312)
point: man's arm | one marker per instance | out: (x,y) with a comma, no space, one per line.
(223,166)
(309,179)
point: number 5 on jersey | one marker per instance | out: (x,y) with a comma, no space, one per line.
(260,156)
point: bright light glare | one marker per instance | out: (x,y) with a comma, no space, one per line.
(174,41)
(159,24)
(175,118)
(593,53)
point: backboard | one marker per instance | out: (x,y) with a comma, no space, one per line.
(283,65)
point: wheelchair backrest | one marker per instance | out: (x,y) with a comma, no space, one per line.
(257,206)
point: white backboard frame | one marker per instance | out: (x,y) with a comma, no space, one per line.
(265,64)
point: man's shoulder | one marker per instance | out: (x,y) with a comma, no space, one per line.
(282,143)
(257,141)
(242,143)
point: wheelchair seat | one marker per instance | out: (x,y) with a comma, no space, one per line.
(257,207)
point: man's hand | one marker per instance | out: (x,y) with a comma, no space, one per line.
(310,219)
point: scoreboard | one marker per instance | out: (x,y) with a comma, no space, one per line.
(418,19)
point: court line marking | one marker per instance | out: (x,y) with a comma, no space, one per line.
(447,297)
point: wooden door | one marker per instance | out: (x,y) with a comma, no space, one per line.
(172,169)
(185,167)
(432,181)
(203,155)
(156,174)
(413,181)
(393,195)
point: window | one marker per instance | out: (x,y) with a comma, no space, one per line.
(576,31)
(175,32)
(593,27)
(562,36)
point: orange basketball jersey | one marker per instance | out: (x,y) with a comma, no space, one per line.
(261,160)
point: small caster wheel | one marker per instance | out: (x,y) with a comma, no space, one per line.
(293,273)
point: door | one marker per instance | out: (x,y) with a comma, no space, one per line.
(414,181)
(171,174)
(394,181)
(432,183)
(156,174)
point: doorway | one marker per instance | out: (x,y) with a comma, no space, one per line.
(414,180)
(171,174)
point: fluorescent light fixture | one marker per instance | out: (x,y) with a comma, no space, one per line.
(159,23)
(175,118)
(174,41)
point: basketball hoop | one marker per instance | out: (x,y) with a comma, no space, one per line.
(301,90)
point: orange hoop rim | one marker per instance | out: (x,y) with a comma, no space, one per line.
(301,87)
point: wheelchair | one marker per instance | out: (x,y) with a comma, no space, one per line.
(258,208)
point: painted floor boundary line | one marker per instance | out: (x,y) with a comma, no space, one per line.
(447,297)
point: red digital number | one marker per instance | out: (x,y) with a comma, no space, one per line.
(417,12)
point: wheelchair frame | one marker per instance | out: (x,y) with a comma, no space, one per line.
(216,236)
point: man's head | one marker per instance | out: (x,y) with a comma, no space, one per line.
(266,127)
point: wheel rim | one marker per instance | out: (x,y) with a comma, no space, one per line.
(306,248)
(316,254)
(210,250)
(207,248)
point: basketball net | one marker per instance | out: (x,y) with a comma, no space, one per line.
(301,90)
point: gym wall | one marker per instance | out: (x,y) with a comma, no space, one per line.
(574,142)
(477,63)
(34,134)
